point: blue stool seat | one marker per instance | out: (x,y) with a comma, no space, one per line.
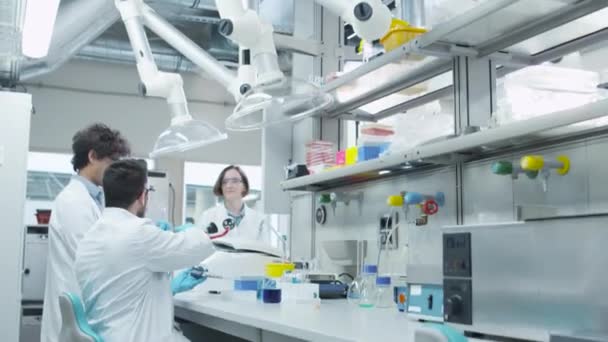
(434,332)
(74,326)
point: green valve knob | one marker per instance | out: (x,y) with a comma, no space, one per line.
(325,198)
(502,168)
(531,174)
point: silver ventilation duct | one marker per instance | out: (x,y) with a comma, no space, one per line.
(91,30)
(78,23)
(11,23)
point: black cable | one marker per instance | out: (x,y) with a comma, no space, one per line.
(346,274)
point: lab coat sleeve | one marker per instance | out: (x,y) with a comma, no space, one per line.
(167,251)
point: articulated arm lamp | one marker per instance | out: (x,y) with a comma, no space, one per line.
(265,96)
(371,19)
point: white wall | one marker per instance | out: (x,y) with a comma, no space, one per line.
(83,92)
(206,174)
(14,128)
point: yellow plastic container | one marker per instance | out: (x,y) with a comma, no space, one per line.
(352,154)
(395,201)
(400,33)
(276,270)
(532,163)
(536,163)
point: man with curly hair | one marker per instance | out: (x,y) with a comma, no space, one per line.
(76,209)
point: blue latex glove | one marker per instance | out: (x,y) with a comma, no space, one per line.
(163,225)
(185,282)
(183,227)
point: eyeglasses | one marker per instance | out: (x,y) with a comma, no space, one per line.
(150,189)
(235,181)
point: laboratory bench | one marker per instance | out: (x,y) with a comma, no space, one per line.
(334,320)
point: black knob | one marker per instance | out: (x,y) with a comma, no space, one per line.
(363,11)
(142,89)
(226,27)
(246,57)
(26,271)
(212,228)
(454,305)
(244,88)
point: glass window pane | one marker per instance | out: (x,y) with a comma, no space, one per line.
(544,89)
(422,124)
(47,175)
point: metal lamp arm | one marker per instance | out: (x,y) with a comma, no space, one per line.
(154,82)
(192,51)
(371,19)
(245,28)
(135,14)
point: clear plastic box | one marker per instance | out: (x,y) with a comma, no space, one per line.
(375,134)
(320,155)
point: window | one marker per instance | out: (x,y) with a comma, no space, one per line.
(47,175)
(45,186)
(566,83)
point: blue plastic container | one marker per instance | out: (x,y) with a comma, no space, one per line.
(384,147)
(271,296)
(246,285)
(266,283)
(368,153)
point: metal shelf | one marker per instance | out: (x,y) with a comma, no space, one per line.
(516,33)
(449,151)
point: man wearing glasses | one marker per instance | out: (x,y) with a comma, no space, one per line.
(123,263)
(75,210)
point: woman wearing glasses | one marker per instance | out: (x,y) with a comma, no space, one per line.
(232,217)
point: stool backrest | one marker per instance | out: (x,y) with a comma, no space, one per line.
(74,326)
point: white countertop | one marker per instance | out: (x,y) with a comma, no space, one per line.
(335,320)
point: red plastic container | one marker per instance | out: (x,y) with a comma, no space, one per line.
(43,216)
(319,154)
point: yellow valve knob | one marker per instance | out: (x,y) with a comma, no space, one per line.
(532,163)
(565,165)
(395,201)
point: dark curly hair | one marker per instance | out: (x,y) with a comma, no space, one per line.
(124,181)
(102,140)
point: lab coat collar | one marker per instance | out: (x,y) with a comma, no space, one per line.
(241,213)
(124,219)
(95,191)
(120,214)
(237,218)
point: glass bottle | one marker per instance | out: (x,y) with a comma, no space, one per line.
(367,297)
(384,293)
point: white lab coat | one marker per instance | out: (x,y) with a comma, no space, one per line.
(122,267)
(73,214)
(251,227)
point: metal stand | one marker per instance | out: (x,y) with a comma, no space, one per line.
(474,103)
